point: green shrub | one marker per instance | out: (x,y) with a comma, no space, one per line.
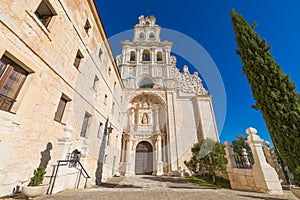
(38,176)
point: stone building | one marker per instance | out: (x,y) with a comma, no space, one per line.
(56,71)
(166,111)
(62,92)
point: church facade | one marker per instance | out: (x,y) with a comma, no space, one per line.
(165,111)
(61,91)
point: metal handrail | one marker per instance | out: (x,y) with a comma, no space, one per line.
(71,163)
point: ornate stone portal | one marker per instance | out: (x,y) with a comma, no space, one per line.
(166,111)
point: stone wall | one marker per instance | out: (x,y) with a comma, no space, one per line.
(260,176)
(48,55)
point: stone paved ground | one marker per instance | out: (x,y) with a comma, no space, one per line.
(150,187)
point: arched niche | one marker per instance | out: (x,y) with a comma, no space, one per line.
(142,35)
(132,55)
(146,55)
(151,35)
(159,56)
(146,82)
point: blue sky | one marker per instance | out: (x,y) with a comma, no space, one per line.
(208,22)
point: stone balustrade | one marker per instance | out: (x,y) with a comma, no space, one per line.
(260,177)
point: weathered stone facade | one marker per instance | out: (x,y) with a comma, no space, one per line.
(47,53)
(71,92)
(167,111)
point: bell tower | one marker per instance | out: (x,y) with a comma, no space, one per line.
(146,30)
(145,61)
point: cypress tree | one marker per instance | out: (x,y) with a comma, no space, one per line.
(275,95)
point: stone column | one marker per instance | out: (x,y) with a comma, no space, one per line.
(156,119)
(264,176)
(167,56)
(136,117)
(123,149)
(129,119)
(152,56)
(138,53)
(172,137)
(129,163)
(159,171)
(124,56)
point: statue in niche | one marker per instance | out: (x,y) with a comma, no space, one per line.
(145,118)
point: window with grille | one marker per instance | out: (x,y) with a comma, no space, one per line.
(45,12)
(85,124)
(12,77)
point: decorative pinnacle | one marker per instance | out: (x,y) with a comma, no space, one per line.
(251,131)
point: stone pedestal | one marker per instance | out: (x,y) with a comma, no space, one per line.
(264,176)
(129,169)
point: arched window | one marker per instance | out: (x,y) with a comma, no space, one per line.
(151,35)
(146,55)
(159,56)
(146,83)
(142,35)
(132,56)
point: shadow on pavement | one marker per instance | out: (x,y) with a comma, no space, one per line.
(114,185)
(186,187)
(166,179)
(264,198)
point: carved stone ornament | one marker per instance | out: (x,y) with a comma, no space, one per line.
(190,84)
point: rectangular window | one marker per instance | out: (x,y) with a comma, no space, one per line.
(78,58)
(85,123)
(100,53)
(87,26)
(96,81)
(12,77)
(45,12)
(61,108)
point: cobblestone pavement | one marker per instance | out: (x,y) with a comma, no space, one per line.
(151,187)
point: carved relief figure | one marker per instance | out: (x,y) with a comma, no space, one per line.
(145,118)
